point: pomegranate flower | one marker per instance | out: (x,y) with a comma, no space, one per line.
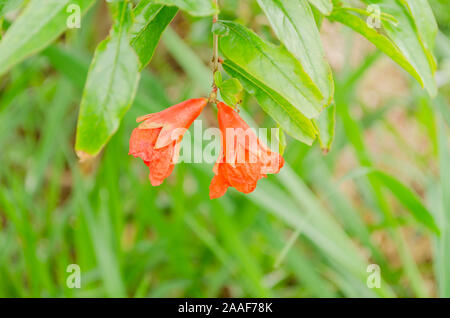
(244,159)
(157,139)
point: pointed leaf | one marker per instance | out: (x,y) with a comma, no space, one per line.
(293,23)
(325,126)
(324,6)
(426,25)
(405,37)
(379,40)
(149,23)
(283,112)
(110,87)
(273,66)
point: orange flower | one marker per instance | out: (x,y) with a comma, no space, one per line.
(157,139)
(244,159)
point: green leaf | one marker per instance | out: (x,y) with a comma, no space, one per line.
(293,23)
(232,86)
(41,23)
(219,29)
(368,13)
(405,37)
(197,8)
(325,125)
(218,78)
(380,41)
(273,66)
(230,91)
(409,200)
(426,25)
(110,87)
(283,112)
(150,22)
(324,6)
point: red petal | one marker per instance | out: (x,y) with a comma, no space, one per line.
(156,140)
(161,165)
(159,161)
(218,187)
(248,161)
(228,117)
(142,142)
(174,120)
(243,177)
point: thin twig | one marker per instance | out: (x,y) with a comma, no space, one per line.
(215,58)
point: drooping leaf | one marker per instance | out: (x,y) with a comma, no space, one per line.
(379,40)
(324,6)
(150,21)
(408,199)
(110,87)
(318,16)
(41,23)
(293,23)
(197,8)
(273,66)
(326,126)
(283,112)
(405,37)
(426,25)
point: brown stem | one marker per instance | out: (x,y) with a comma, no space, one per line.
(215,58)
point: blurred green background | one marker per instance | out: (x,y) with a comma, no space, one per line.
(310,231)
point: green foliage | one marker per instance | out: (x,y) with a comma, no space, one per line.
(283,112)
(324,6)
(230,91)
(326,127)
(293,22)
(310,230)
(379,40)
(410,43)
(150,22)
(273,66)
(110,87)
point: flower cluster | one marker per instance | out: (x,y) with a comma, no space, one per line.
(243,159)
